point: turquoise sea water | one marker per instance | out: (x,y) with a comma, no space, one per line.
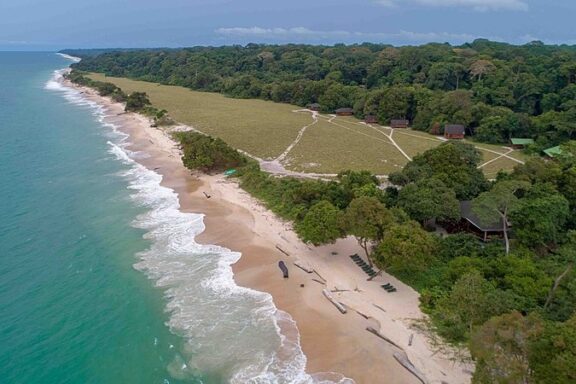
(72,308)
(100,278)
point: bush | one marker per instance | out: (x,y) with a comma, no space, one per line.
(208,154)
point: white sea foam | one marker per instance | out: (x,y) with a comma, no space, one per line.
(233,333)
(69,57)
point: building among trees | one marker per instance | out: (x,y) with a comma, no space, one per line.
(553,152)
(520,143)
(344,112)
(454,131)
(399,123)
(475,225)
(371,119)
(314,107)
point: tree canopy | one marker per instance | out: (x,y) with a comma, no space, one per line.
(497,90)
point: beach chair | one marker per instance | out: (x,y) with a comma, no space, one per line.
(391,290)
(387,285)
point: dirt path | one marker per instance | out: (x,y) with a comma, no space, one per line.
(501,155)
(282,156)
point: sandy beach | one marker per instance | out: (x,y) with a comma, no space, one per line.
(331,341)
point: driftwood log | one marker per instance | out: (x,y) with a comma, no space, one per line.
(303,266)
(337,304)
(406,363)
(377,333)
(281,250)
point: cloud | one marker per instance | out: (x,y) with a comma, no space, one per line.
(477,5)
(302,33)
(279,32)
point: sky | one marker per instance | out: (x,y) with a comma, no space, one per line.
(58,24)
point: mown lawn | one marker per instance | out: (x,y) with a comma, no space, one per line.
(265,129)
(491,170)
(414,144)
(328,148)
(261,128)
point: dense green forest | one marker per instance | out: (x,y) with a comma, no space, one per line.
(496,90)
(511,300)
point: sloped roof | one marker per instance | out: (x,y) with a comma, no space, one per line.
(521,141)
(344,110)
(553,152)
(454,129)
(467,213)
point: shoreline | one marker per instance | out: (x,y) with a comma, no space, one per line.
(331,342)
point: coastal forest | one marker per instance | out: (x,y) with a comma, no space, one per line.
(496,90)
(509,298)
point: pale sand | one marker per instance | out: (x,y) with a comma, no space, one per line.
(332,342)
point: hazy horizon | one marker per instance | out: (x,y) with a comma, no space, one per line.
(44,25)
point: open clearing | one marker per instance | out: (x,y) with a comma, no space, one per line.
(299,140)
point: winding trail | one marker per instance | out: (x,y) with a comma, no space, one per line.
(283,155)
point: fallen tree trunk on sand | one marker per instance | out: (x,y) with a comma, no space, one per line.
(304,266)
(377,333)
(406,363)
(281,250)
(337,304)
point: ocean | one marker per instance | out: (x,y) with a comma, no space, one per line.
(101,280)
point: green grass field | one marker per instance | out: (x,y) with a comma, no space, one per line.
(266,129)
(261,128)
(328,148)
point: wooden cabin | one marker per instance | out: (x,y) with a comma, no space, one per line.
(520,143)
(314,107)
(344,112)
(473,224)
(399,123)
(454,131)
(371,119)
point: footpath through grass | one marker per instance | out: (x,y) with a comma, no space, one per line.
(266,129)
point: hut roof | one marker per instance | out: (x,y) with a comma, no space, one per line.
(314,105)
(454,129)
(469,215)
(521,141)
(344,110)
(553,152)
